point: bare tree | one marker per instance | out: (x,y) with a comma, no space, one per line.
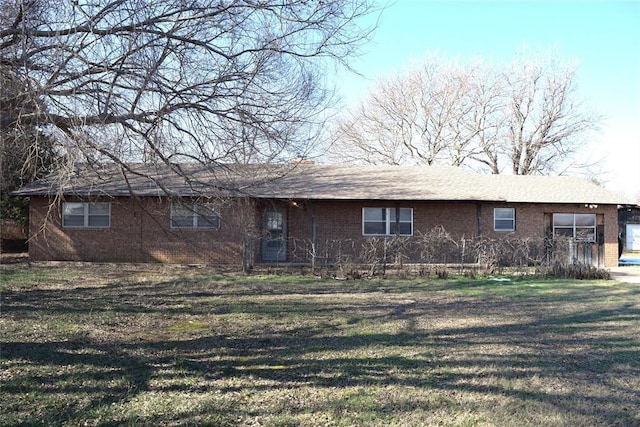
(175,80)
(543,120)
(27,153)
(412,117)
(523,118)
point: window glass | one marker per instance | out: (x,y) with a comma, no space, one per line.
(98,214)
(372,228)
(275,220)
(73,221)
(383,221)
(73,209)
(576,226)
(585,220)
(585,234)
(98,208)
(181,216)
(504,225)
(86,214)
(182,221)
(374,221)
(563,220)
(504,219)
(503,213)
(404,228)
(210,221)
(375,214)
(186,215)
(568,232)
(406,214)
(98,221)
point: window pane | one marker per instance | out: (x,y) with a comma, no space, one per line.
(375,214)
(73,209)
(275,220)
(588,220)
(504,213)
(211,221)
(182,221)
(568,232)
(504,225)
(406,214)
(99,221)
(182,215)
(98,208)
(586,234)
(404,229)
(208,218)
(73,221)
(375,228)
(563,220)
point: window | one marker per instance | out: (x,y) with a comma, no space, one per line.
(387,221)
(192,215)
(581,227)
(504,219)
(86,215)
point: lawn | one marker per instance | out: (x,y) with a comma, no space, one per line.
(90,344)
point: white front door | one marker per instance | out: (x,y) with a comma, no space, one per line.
(633,237)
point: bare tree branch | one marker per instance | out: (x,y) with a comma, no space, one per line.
(524,116)
(178,80)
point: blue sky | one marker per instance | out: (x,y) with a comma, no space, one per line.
(602,37)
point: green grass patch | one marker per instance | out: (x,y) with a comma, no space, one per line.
(87,344)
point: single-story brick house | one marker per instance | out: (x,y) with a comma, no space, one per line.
(233,214)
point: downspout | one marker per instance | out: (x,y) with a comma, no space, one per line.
(314,236)
(479,219)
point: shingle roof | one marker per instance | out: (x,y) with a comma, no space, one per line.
(322,182)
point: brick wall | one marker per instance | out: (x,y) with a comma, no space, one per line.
(140,229)
(535,220)
(343,220)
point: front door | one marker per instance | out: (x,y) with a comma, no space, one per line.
(274,235)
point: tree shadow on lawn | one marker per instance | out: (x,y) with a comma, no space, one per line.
(443,360)
(63,380)
(180,296)
(189,296)
(584,351)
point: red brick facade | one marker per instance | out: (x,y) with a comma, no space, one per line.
(140,228)
(140,231)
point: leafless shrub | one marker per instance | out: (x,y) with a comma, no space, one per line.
(436,246)
(575,271)
(437,252)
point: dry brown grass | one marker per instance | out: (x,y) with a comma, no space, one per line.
(92,344)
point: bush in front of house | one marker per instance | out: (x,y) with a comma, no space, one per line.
(436,253)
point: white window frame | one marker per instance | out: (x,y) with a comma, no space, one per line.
(574,227)
(86,215)
(389,220)
(496,219)
(196,213)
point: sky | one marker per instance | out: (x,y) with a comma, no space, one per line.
(602,37)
